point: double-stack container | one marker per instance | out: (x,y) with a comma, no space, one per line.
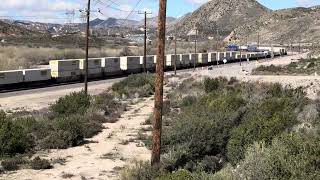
(150,62)
(111,66)
(65,70)
(185,60)
(130,64)
(171,58)
(221,57)
(37,75)
(194,59)
(212,57)
(94,67)
(228,56)
(233,56)
(203,58)
(11,77)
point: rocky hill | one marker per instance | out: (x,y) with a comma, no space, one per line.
(222,15)
(153,22)
(7,29)
(283,26)
(112,22)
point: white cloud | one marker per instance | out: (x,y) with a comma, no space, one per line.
(198,1)
(306,3)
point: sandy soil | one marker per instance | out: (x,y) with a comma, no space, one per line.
(102,158)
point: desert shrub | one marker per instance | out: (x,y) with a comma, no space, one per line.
(203,127)
(106,102)
(13,138)
(3,115)
(140,171)
(141,84)
(265,119)
(290,156)
(12,164)
(65,132)
(76,102)
(37,163)
(178,175)
(214,84)
(272,68)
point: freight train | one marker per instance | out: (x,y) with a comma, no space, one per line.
(72,70)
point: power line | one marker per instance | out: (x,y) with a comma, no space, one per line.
(130,12)
(111,7)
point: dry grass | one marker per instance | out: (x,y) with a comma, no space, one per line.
(12,57)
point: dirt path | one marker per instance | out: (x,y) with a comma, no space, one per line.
(101,159)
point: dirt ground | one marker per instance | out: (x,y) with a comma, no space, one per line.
(103,157)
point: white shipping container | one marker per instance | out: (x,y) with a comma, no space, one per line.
(130,62)
(212,57)
(65,74)
(93,63)
(111,64)
(221,56)
(194,58)
(11,77)
(150,61)
(185,59)
(203,58)
(64,65)
(233,55)
(32,75)
(170,60)
(228,55)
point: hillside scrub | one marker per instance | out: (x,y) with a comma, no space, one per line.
(210,131)
(68,123)
(138,85)
(302,67)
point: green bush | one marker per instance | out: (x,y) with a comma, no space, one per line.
(140,171)
(141,84)
(13,138)
(12,164)
(290,156)
(64,132)
(74,103)
(178,175)
(38,163)
(264,120)
(107,103)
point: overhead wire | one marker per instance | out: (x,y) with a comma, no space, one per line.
(127,17)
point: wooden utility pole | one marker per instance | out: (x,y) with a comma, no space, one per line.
(158,103)
(87,50)
(258,40)
(195,50)
(145,42)
(175,52)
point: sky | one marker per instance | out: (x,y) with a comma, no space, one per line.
(55,11)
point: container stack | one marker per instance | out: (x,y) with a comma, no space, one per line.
(170,60)
(35,75)
(203,58)
(65,70)
(130,64)
(11,77)
(111,66)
